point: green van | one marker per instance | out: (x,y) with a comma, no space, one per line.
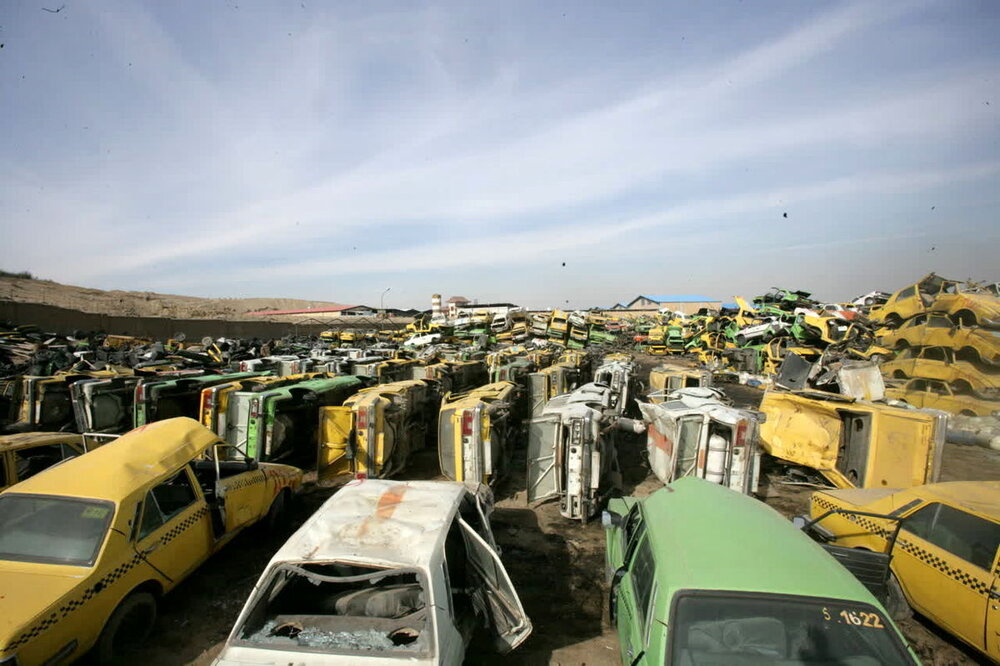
(701,574)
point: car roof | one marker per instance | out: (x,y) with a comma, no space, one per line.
(709,537)
(25,440)
(399,523)
(979,496)
(119,468)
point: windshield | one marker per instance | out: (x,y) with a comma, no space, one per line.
(722,629)
(52,530)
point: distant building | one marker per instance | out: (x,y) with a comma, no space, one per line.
(686,303)
(492,308)
(454,303)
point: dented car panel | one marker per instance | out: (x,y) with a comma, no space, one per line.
(853,443)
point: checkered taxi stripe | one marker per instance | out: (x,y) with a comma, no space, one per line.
(106,581)
(970,581)
(244,481)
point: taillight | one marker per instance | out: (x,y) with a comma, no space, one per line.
(363,418)
(140,392)
(254,408)
(741,434)
(467,417)
(361,476)
(206,400)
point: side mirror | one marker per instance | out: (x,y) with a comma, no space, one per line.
(251,464)
(610,519)
(799,522)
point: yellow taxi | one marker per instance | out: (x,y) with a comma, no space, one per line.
(25,454)
(945,560)
(88,546)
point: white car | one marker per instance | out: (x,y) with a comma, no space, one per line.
(385,572)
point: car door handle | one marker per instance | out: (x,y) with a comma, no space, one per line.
(149,549)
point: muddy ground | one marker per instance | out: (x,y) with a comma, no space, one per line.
(556,564)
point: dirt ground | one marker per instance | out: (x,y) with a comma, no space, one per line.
(143,303)
(557,566)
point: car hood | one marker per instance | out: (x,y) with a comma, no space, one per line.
(245,656)
(26,594)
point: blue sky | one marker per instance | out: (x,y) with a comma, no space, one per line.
(332,150)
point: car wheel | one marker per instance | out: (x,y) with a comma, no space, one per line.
(277,515)
(128,627)
(895,602)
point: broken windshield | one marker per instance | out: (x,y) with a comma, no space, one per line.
(338,608)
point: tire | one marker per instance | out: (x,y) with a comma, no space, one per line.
(895,602)
(128,627)
(277,515)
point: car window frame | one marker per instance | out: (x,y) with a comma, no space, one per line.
(164,519)
(937,506)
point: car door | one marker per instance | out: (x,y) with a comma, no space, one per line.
(497,598)
(336,428)
(635,594)
(993,612)
(173,533)
(943,560)
(544,436)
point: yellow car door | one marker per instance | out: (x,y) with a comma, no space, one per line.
(943,559)
(174,531)
(244,498)
(336,426)
(993,612)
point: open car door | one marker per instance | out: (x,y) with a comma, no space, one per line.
(661,441)
(538,391)
(543,436)
(336,425)
(496,599)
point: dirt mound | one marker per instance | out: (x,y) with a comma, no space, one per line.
(143,303)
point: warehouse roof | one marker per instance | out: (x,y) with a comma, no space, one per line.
(675,298)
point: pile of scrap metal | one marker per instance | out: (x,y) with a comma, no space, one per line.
(576,330)
(946,339)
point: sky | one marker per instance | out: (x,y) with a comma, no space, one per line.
(553,154)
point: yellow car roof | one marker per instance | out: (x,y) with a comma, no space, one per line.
(119,468)
(28,439)
(979,496)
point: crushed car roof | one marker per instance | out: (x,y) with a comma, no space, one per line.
(119,468)
(401,523)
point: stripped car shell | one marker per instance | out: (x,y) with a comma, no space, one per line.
(664,379)
(374,432)
(854,443)
(572,450)
(477,430)
(384,572)
(709,440)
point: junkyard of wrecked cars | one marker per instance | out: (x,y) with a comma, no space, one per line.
(777,480)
